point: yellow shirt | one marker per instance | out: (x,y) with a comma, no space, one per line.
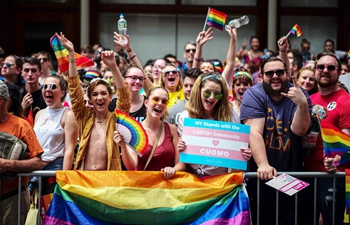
(175,97)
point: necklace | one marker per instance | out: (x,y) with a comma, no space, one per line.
(99,121)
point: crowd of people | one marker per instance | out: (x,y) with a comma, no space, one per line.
(67,118)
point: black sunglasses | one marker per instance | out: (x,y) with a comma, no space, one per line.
(191,49)
(48,86)
(270,74)
(320,67)
(44,59)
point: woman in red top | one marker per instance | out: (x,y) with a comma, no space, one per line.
(166,155)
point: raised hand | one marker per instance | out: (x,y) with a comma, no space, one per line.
(204,36)
(65,42)
(282,44)
(295,93)
(118,39)
(244,44)
(108,59)
(233,33)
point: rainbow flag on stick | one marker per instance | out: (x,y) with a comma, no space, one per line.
(295,30)
(145,197)
(215,19)
(62,56)
(335,142)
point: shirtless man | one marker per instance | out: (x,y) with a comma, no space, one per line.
(97,150)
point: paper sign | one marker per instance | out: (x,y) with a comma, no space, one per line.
(287,184)
(215,143)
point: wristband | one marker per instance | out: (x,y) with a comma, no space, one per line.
(71,59)
(129,50)
(132,57)
(198,60)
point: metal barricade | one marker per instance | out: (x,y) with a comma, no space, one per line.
(250,175)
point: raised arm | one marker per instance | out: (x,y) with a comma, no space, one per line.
(133,58)
(258,149)
(202,38)
(282,46)
(231,56)
(243,51)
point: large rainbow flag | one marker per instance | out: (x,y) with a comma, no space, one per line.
(216,19)
(347,189)
(62,56)
(335,142)
(145,197)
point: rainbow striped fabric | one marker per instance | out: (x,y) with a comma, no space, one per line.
(216,19)
(296,30)
(62,56)
(145,197)
(348,55)
(335,142)
(347,190)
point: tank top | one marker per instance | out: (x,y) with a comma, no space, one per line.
(50,133)
(163,154)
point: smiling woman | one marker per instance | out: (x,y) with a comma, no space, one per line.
(171,81)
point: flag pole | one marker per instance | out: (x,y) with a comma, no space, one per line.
(281,43)
(205,22)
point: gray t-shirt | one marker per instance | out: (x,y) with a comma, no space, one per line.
(345,79)
(175,111)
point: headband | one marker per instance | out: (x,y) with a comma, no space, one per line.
(215,76)
(242,73)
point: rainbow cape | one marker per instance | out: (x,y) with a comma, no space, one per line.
(216,19)
(146,197)
(62,56)
(335,142)
(296,31)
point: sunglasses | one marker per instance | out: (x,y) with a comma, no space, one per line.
(217,95)
(8,65)
(270,74)
(167,72)
(32,70)
(163,102)
(191,49)
(48,86)
(135,78)
(320,67)
(44,59)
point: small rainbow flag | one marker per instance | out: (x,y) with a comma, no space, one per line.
(146,197)
(347,190)
(335,142)
(348,55)
(62,56)
(296,30)
(216,19)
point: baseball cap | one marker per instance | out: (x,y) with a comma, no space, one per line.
(4,91)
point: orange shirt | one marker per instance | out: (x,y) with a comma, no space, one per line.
(22,130)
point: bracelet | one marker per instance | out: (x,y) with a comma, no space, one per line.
(132,57)
(129,50)
(72,60)
(283,51)
(198,60)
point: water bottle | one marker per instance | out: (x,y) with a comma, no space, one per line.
(236,23)
(122,28)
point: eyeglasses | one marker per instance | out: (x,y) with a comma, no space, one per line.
(320,67)
(33,70)
(167,72)
(163,102)
(217,95)
(48,86)
(135,78)
(270,74)
(44,59)
(191,49)
(8,65)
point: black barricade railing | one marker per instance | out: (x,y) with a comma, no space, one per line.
(250,175)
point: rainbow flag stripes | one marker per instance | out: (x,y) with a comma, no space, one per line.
(296,30)
(347,190)
(62,56)
(145,197)
(216,19)
(348,55)
(335,142)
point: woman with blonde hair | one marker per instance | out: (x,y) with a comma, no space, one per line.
(209,100)
(306,79)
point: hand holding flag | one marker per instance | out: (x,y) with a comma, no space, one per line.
(215,19)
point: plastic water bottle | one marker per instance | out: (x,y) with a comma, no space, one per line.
(236,23)
(122,28)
